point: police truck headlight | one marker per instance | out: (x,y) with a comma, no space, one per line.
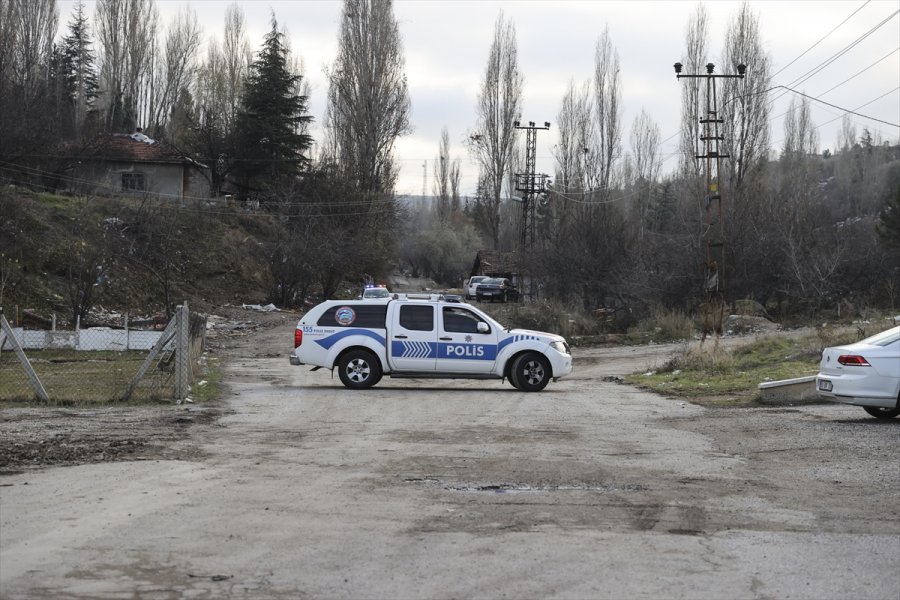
(561,347)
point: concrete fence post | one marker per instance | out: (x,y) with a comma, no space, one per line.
(6,333)
(182,353)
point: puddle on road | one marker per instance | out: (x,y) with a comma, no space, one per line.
(507,487)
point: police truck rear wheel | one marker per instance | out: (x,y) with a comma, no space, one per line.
(530,372)
(359,370)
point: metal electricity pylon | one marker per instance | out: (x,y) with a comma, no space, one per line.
(711,202)
(529,183)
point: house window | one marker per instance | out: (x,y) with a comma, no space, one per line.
(134,182)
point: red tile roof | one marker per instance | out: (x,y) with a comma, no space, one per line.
(124,147)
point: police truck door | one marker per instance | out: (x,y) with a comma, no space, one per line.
(413,338)
(463,346)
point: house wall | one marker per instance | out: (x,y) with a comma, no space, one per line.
(105,179)
(195,185)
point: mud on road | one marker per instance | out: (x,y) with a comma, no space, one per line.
(37,437)
(589,489)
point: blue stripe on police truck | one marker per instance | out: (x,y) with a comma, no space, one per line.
(516,338)
(467,351)
(413,349)
(331,340)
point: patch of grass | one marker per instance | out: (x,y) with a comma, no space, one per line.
(80,378)
(208,384)
(720,377)
(552,317)
(662,325)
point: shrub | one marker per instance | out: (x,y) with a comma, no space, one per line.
(663,325)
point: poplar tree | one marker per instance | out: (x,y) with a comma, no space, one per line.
(368,99)
(499,106)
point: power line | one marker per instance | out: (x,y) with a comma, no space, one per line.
(858,73)
(861,106)
(802,54)
(821,66)
(845,110)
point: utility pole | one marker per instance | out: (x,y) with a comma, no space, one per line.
(531,185)
(711,202)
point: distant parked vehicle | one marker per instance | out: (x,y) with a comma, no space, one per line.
(865,374)
(472,285)
(497,289)
(375,292)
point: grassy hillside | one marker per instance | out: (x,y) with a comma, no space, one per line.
(135,255)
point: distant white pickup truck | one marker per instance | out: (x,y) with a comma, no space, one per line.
(472,285)
(424,337)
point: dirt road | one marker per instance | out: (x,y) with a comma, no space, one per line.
(421,489)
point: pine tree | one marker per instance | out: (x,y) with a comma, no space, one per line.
(269,132)
(78,76)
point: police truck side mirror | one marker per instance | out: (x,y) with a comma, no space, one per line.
(483,327)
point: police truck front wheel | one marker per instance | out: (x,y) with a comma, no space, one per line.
(530,372)
(359,370)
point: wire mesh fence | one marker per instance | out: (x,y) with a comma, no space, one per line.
(102,364)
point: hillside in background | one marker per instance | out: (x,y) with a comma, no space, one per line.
(66,255)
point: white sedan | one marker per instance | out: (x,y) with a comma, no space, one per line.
(865,374)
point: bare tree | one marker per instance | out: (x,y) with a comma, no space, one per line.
(809,266)
(586,227)
(494,139)
(35,25)
(847,166)
(801,138)
(645,138)
(692,91)
(455,199)
(847,135)
(9,11)
(608,119)
(236,59)
(442,168)
(368,100)
(575,128)
(745,106)
(29,98)
(646,164)
(177,65)
(126,32)
(220,82)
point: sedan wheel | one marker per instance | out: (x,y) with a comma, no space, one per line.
(882,413)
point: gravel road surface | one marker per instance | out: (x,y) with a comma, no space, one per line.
(295,487)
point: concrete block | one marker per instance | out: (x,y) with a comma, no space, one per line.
(789,391)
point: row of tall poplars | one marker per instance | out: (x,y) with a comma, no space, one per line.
(805,229)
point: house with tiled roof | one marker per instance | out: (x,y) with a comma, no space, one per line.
(133,164)
(495,263)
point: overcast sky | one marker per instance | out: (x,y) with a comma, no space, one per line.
(446,43)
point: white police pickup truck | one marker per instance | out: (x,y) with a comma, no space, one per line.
(424,337)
